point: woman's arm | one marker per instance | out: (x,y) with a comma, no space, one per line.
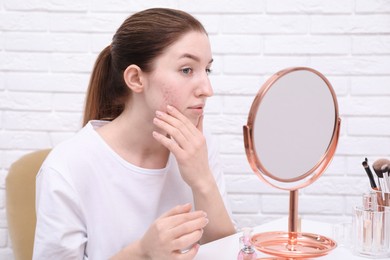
(208,199)
(188,144)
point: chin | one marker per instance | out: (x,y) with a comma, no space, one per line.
(193,117)
(196,121)
(193,120)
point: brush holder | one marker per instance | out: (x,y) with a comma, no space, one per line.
(371,231)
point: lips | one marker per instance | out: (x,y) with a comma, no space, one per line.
(199,106)
(198,109)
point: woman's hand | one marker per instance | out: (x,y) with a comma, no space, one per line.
(176,230)
(187,143)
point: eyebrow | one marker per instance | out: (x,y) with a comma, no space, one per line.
(193,57)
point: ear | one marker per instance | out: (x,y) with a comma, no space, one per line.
(133,78)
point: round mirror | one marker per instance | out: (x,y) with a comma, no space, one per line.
(290,138)
(293,128)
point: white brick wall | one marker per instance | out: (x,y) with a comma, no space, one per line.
(47,49)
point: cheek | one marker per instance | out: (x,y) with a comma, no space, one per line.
(170,98)
(166,90)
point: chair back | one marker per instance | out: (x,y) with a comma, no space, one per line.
(20,202)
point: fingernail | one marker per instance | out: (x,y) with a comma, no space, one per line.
(196,246)
(169,108)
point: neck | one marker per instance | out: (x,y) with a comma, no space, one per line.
(130,136)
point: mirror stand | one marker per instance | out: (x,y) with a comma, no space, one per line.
(293,243)
(293,222)
(293,212)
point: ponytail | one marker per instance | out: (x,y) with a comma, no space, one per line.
(103,95)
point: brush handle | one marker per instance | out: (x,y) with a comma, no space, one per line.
(386,179)
(369,174)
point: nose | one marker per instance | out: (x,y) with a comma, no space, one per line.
(204,88)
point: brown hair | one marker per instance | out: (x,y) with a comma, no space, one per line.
(139,40)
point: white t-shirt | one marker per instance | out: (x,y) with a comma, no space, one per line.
(91,203)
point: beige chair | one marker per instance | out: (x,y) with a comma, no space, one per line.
(20,202)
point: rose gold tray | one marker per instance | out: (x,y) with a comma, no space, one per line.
(293,245)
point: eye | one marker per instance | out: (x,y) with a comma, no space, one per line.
(208,71)
(186,71)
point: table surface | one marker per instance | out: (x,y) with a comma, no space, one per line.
(227,248)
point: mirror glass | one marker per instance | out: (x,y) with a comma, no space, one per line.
(293,122)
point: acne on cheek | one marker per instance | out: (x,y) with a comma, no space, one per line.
(168,99)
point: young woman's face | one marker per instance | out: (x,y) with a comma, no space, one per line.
(180,77)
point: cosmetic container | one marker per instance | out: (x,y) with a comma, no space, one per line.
(342,234)
(247,251)
(371,231)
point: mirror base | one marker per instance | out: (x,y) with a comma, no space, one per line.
(293,244)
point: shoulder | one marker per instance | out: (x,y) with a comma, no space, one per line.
(69,146)
(73,151)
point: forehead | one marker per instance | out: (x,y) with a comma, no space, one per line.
(193,43)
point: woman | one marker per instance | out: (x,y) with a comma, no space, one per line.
(138,181)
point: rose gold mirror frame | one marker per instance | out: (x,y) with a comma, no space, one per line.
(293,236)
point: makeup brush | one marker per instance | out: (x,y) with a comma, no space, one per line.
(369,174)
(385,173)
(377,165)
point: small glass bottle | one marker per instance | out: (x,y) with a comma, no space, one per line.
(247,251)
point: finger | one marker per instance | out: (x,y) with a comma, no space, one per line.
(190,254)
(189,226)
(184,134)
(175,124)
(195,131)
(185,121)
(181,214)
(176,130)
(183,223)
(179,209)
(185,242)
(169,143)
